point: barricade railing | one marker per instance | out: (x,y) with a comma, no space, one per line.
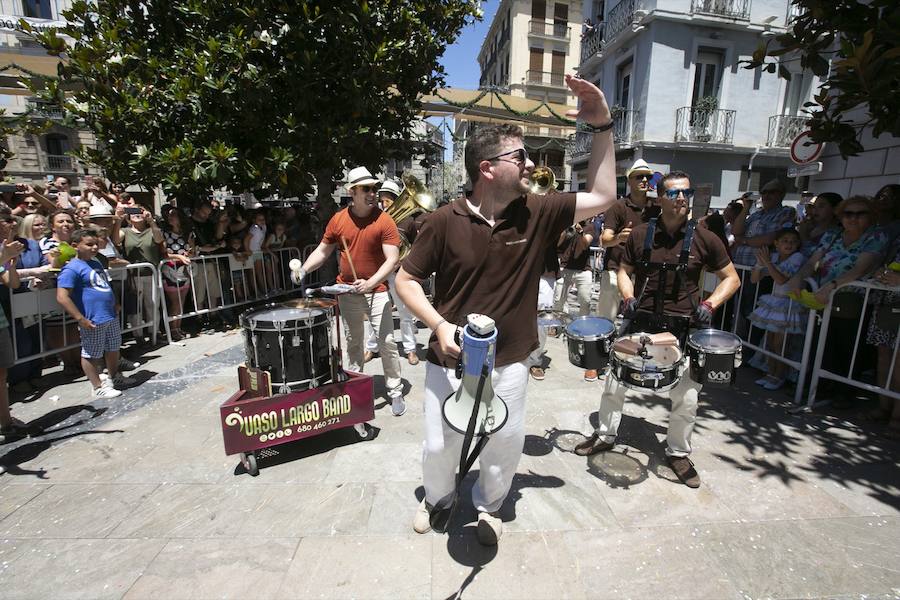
(40,327)
(314,277)
(818,372)
(729,317)
(217,282)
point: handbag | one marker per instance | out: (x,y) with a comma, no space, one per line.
(847,305)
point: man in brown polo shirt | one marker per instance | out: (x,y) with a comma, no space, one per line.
(706,251)
(487,256)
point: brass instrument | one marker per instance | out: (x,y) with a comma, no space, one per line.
(543,181)
(414,199)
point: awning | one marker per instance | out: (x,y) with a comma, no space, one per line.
(42,64)
(482,105)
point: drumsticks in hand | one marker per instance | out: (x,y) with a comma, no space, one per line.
(349,260)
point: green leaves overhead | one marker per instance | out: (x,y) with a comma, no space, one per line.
(249,94)
(855,46)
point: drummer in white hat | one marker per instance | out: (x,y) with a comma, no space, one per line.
(369,247)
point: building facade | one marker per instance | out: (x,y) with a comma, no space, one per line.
(530,46)
(36,156)
(681,99)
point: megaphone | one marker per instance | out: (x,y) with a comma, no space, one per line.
(479,342)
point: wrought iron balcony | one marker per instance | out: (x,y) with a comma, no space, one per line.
(60,163)
(546,78)
(733,9)
(620,17)
(702,125)
(46,110)
(623,130)
(592,43)
(783,129)
(555,30)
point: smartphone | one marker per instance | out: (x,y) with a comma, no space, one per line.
(88,181)
(133,210)
(49,179)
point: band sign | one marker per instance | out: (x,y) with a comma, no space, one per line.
(255,423)
(804,150)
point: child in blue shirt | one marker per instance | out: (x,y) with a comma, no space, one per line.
(83,290)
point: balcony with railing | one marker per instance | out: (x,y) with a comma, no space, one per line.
(546,78)
(620,17)
(731,9)
(783,129)
(59,163)
(46,110)
(623,131)
(592,43)
(702,125)
(559,31)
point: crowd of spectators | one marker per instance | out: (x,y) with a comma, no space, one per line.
(227,251)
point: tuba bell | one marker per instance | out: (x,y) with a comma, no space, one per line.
(414,199)
(543,181)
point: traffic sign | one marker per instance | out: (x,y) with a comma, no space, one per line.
(808,169)
(804,150)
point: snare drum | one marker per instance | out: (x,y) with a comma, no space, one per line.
(715,357)
(553,322)
(659,371)
(293,344)
(590,339)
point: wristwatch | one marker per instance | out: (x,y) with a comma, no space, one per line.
(597,128)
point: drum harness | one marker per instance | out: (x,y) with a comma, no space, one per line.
(645,265)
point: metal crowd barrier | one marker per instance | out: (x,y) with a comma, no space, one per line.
(222,281)
(847,378)
(729,318)
(37,307)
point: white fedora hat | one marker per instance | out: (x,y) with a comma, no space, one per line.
(390,187)
(360,176)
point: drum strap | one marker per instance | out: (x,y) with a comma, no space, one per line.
(663,268)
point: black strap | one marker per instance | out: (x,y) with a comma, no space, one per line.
(683,261)
(443,510)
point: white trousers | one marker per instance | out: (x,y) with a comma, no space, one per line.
(608,300)
(500,456)
(377,307)
(681,417)
(544,302)
(583,282)
(407,323)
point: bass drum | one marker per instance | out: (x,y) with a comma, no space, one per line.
(292,344)
(715,357)
(589,340)
(659,370)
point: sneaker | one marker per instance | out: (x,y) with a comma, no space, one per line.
(105,391)
(593,445)
(684,470)
(422,519)
(776,383)
(119,381)
(413,358)
(489,530)
(590,375)
(537,373)
(128,365)
(398,406)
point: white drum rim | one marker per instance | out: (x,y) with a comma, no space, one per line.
(590,337)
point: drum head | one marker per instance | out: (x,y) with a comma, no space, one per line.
(590,329)
(552,318)
(266,317)
(715,341)
(658,357)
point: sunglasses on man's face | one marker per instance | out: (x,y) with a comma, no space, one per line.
(32,204)
(854,214)
(367,188)
(519,156)
(672,194)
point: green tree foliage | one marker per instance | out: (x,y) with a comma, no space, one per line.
(260,95)
(861,39)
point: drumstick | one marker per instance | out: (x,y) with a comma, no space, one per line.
(349,260)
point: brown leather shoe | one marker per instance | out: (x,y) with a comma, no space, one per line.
(684,470)
(590,375)
(413,358)
(537,373)
(593,445)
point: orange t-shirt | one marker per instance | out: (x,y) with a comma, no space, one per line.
(364,238)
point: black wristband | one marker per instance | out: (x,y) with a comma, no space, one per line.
(597,129)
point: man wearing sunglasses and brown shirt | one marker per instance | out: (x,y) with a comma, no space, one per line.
(486,252)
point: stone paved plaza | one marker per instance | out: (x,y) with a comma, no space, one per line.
(135,498)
